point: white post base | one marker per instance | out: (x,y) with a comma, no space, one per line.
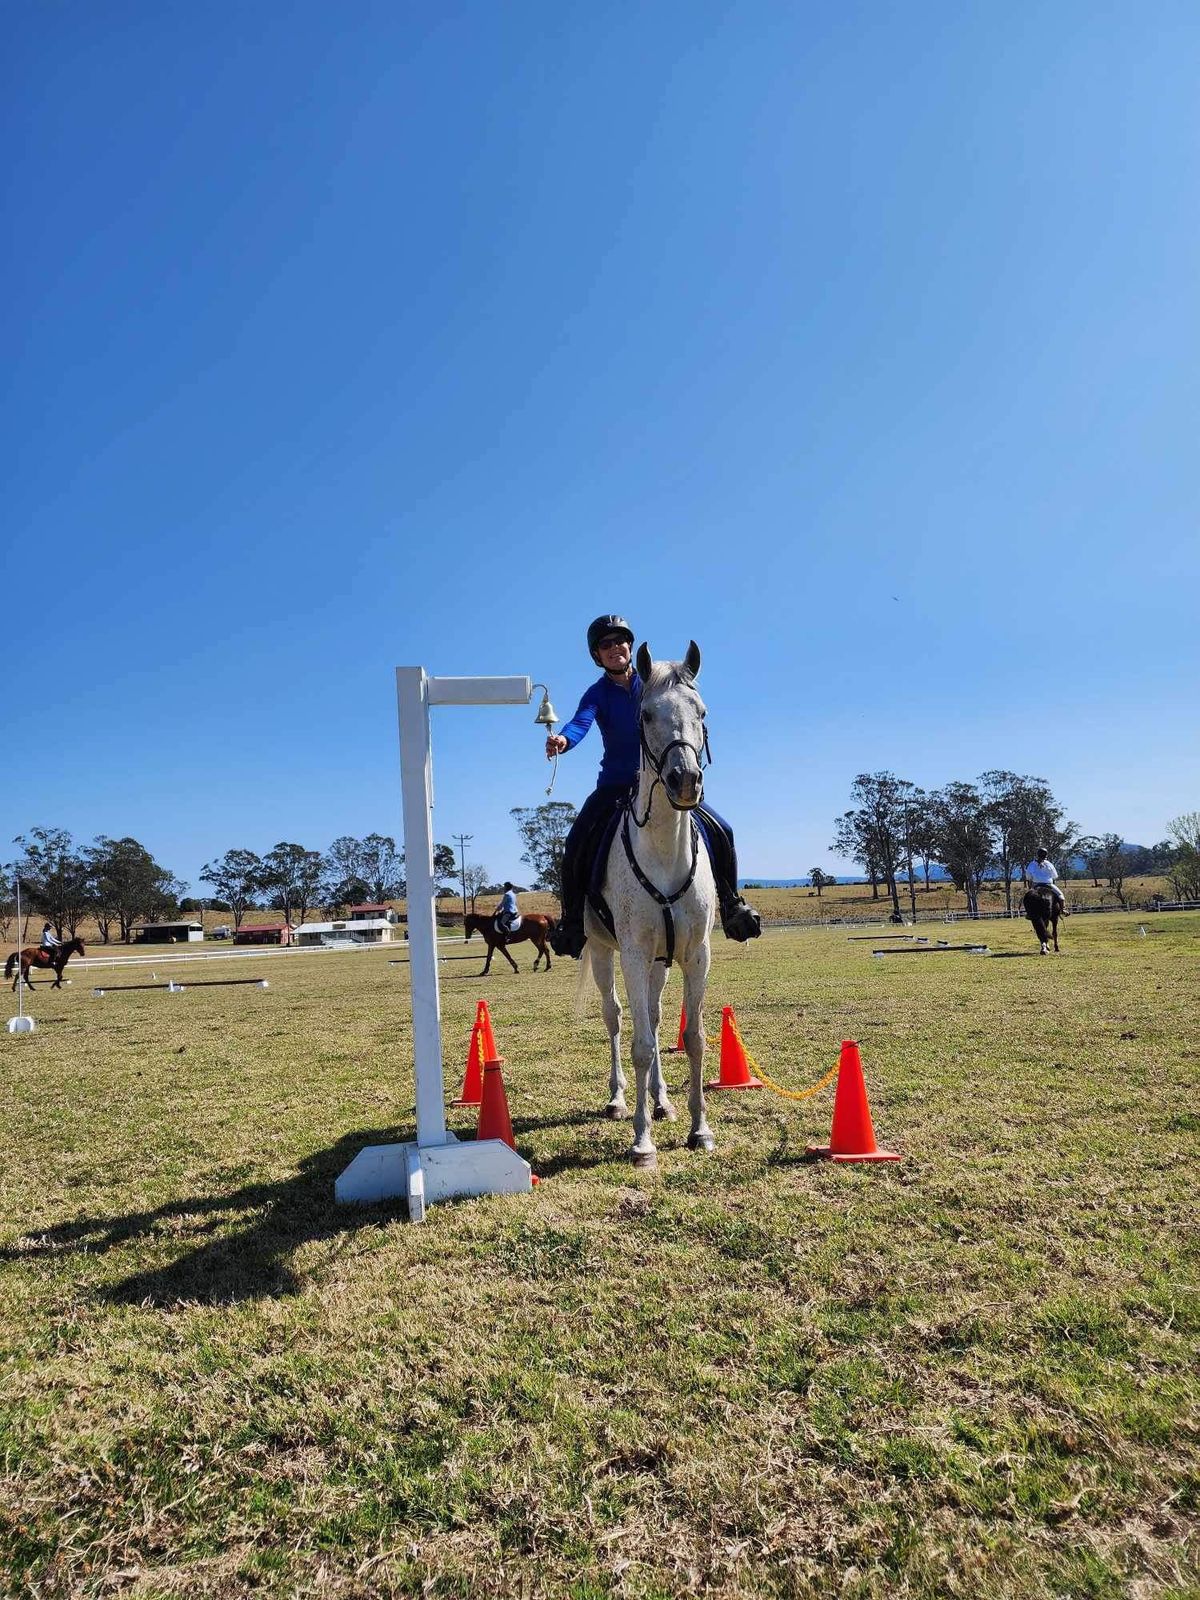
(425,1174)
(21,1025)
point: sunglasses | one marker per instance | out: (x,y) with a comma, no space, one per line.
(607,644)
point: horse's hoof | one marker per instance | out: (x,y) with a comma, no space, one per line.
(665,1112)
(646,1160)
(616,1113)
(701,1141)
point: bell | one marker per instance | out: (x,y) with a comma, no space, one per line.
(546,714)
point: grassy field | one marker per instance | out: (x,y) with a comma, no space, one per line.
(972,1373)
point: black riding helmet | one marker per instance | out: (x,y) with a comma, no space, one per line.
(601,628)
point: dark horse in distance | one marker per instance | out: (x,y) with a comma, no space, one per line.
(1043,908)
(537,929)
(45,960)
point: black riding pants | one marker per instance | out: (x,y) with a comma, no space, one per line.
(579,850)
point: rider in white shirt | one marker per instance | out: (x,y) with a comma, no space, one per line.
(1044,871)
(49,941)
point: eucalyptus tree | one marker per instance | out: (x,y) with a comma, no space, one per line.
(1025,815)
(235,877)
(128,886)
(55,877)
(293,877)
(877,826)
(964,837)
(543,830)
(381,867)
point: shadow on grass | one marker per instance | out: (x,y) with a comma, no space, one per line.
(1016,955)
(254,1231)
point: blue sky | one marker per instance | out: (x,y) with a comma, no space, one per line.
(857,342)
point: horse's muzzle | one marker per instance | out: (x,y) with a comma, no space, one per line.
(684,789)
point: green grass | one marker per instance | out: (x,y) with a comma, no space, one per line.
(972,1373)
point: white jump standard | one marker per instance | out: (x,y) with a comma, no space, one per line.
(436,1166)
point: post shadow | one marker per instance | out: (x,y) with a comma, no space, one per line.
(247,1262)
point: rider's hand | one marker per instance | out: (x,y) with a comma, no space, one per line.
(555,745)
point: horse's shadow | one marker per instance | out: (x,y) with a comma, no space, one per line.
(257,1229)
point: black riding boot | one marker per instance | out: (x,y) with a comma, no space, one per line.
(579,848)
(738,920)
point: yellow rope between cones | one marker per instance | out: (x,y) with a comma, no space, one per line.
(768,1080)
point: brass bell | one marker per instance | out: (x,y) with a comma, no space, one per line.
(546,715)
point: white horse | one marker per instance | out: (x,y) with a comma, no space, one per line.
(658,884)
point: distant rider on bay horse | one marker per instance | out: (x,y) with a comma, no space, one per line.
(49,941)
(1044,871)
(614,703)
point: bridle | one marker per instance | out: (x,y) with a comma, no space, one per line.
(703,755)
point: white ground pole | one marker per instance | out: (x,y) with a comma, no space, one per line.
(20,1023)
(436,1166)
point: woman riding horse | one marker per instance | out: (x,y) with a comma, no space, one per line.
(536,929)
(44,957)
(614,703)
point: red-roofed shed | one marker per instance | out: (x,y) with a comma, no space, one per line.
(263,933)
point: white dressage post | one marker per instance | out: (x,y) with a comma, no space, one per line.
(436,1166)
(20,1023)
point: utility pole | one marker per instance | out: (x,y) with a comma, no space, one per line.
(464,840)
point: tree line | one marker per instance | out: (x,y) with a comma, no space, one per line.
(990,829)
(117,883)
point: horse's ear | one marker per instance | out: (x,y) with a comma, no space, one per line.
(644,662)
(691,662)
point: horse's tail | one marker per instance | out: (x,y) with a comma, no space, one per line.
(11,964)
(583,983)
(551,924)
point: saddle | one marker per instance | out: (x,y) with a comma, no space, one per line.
(43,957)
(506,927)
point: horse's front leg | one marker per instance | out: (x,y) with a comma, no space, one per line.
(663,1109)
(604,972)
(635,964)
(695,982)
(503,949)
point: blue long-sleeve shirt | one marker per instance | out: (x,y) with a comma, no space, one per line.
(615,710)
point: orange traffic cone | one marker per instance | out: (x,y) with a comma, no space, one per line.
(490,1053)
(852,1138)
(678,1047)
(494,1120)
(472,1089)
(735,1069)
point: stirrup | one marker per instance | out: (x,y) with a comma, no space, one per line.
(741,922)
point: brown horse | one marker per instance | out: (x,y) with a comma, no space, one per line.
(1043,908)
(537,929)
(51,960)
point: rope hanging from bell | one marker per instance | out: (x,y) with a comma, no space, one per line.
(546,718)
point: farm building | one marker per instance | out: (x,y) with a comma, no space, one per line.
(263,933)
(353,931)
(168,933)
(373,914)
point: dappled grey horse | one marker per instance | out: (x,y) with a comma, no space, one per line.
(659,887)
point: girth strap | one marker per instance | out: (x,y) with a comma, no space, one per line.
(665,901)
